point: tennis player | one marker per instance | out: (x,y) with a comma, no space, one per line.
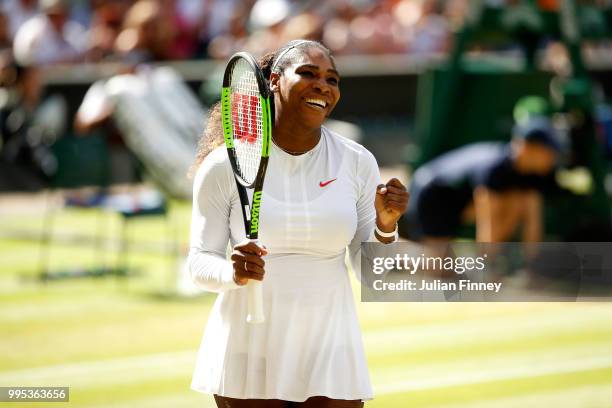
(322,197)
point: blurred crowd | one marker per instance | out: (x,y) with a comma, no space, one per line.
(43,32)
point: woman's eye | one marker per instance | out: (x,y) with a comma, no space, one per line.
(307,74)
(333,81)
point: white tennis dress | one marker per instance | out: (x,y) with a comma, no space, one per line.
(314,206)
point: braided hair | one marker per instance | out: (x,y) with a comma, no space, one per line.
(276,61)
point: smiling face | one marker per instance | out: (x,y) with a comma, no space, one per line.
(307,90)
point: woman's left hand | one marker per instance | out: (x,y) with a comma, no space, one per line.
(390,203)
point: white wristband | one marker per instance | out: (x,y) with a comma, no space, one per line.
(392,234)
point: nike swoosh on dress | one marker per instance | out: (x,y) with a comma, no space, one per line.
(323,184)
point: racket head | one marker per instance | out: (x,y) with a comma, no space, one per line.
(245,108)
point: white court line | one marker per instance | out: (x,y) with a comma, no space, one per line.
(581,396)
(393,378)
(168,364)
(186,399)
(483,330)
(476,362)
(507,373)
(591,396)
(112,371)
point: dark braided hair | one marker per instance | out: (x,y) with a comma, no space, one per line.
(286,55)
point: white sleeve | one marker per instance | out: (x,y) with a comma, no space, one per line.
(368,178)
(210,231)
(96,103)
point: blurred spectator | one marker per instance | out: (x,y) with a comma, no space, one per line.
(219,14)
(106,21)
(224,45)
(18,12)
(148,113)
(5,35)
(362,28)
(557,59)
(431,33)
(193,11)
(183,32)
(336,28)
(50,37)
(146,34)
(387,36)
(307,25)
(94,116)
(27,126)
(455,12)
(185,29)
(267,19)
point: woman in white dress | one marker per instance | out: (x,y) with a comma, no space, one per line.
(322,197)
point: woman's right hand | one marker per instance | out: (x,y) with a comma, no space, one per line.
(247,262)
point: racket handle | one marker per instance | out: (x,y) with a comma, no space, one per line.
(255,299)
(255,302)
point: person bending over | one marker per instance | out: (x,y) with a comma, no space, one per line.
(496,185)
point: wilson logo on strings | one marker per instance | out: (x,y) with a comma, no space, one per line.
(244,115)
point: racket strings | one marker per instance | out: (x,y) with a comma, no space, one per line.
(247,121)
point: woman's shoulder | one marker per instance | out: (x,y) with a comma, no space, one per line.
(215,164)
(350,149)
(218,155)
(346,145)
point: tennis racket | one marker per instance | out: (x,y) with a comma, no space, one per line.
(245,109)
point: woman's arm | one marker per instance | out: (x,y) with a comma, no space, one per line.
(390,203)
(375,208)
(532,220)
(210,229)
(95,108)
(497,214)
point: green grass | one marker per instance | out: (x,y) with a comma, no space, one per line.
(131,342)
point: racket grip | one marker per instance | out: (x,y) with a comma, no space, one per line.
(255,312)
(255,302)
